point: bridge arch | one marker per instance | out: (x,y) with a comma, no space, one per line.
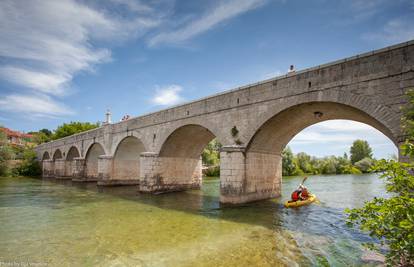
(263,154)
(72,153)
(274,134)
(45,155)
(57,155)
(186,141)
(126,159)
(184,126)
(365,110)
(91,160)
(180,155)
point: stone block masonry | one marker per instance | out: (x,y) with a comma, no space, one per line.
(160,152)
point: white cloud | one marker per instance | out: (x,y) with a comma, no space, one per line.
(44,82)
(342,126)
(334,131)
(168,95)
(334,137)
(220,13)
(44,43)
(35,105)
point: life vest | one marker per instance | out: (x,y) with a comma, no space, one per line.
(304,194)
(295,195)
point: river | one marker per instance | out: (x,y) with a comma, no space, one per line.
(51,223)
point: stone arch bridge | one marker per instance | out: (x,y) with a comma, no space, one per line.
(160,152)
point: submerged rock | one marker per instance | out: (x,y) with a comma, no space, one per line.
(372,256)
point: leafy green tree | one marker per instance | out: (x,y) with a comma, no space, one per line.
(296,170)
(288,164)
(391,220)
(342,164)
(39,137)
(408,120)
(364,165)
(29,165)
(329,165)
(6,153)
(212,171)
(211,154)
(71,128)
(360,149)
(350,169)
(317,165)
(211,158)
(304,162)
(46,132)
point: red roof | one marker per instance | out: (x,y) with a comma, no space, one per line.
(9,132)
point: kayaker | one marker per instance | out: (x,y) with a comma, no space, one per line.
(304,194)
(301,193)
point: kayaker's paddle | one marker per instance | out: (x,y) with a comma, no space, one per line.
(304,179)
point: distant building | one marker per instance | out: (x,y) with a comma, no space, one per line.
(17,138)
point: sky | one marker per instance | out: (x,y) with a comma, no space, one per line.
(70,60)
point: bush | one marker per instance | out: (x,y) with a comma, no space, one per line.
(213,171)
(390,220)
(350,169)
(364,165)
(29,165)
(6,154)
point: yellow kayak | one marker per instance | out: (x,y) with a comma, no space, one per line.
(293,204)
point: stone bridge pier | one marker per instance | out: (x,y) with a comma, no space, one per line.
(169,174)
(161,151)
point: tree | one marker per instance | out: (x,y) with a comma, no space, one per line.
(391,220)
(71,128)
(364,165)
(288,165)
(343,165)
(329,165)
(40,137)
(211,154)
(6,153)
(360,149)
(350,169)
(29,165)
(408,120)
(304,162)
(46,132)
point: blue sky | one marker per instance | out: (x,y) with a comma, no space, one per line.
(70,60)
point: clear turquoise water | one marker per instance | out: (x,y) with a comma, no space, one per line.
(62,224)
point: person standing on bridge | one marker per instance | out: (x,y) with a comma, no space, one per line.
(291,69)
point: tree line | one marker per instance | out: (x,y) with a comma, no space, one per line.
(360,161)
(66,129)
(17,160)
